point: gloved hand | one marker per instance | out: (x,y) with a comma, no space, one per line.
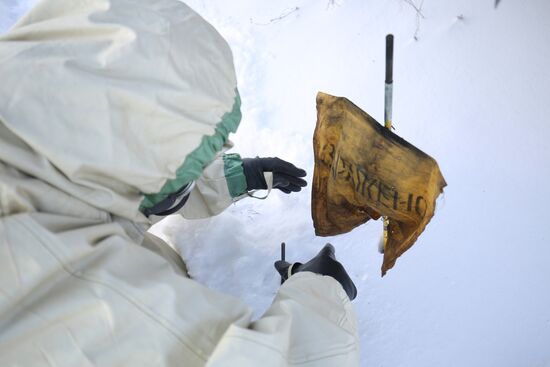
(286,176)
(324,263)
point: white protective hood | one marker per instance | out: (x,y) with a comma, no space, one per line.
(117,95)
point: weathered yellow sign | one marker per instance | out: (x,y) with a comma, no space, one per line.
(364,171)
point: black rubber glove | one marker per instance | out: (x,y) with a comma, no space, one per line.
(324,263)
(286,176)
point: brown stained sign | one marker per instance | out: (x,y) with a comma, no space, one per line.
(364,171)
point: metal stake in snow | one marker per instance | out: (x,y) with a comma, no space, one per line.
(388,94)
(283,246)
(389,81)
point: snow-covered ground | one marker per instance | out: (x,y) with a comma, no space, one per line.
(471,91)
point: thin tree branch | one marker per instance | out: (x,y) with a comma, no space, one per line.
(283,15)
(418,9)
(419,15)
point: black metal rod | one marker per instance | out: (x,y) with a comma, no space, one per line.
(283,255)
(388,93)
(389,59)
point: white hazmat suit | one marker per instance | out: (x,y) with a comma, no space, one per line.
(106,107)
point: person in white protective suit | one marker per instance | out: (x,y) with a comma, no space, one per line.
(112,114)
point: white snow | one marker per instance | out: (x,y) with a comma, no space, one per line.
(472,92)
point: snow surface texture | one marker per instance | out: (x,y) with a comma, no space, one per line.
(472,91)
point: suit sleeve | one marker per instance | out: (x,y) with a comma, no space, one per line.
(310,323)
(221,184)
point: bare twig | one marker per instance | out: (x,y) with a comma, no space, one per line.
(333,3)
(419,15)
(496,3)
(283,15)
(418,9)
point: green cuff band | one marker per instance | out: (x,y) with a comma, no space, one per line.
(234,174)
(194,163)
